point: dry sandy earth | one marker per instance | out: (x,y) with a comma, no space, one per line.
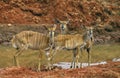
(109,70)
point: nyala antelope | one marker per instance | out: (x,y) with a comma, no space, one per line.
(69,42)
(33,40)
(63,26)
(75,43)
(88,39)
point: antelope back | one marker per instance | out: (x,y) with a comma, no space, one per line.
(68,41)
(74,42)
(30,39)
(38,41)
(60,39)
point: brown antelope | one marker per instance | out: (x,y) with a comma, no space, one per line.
(75,42)
(70,42)
(33,40)
(88,39)
(63,26)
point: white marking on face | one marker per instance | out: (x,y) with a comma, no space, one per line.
(47,53)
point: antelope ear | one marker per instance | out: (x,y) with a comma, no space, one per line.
(84,27)
(54,27)
(57,21)
(47,28)
(68,21)
(99,26)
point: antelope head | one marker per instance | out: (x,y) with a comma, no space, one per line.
(89,33)
(51,33)
(63,25)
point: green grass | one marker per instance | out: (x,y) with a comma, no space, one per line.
(105,52)
(29,58)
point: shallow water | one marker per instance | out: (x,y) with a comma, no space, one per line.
(66,65)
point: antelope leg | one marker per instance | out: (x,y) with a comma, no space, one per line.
(77,57)
(39,63)
(89,56)
(16,62)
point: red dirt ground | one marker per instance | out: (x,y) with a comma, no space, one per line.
(110,70)
(79,12)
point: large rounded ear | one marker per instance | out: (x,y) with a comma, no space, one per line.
(51,27)
(45,27)
(57,21)
(48,28)
(68,21)
(54,27)
(99,26)
(83,26)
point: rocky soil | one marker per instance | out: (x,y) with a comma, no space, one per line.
(80,12)
(110,70)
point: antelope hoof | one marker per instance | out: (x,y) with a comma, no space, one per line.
(49,67)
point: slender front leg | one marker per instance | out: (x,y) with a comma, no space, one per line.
(50,56)
(77,62)
(77,58)
(73,60)
(81,54)
(49,67)
(50,60)
(16,62)
(39,63)
(89,56)
(71,63)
